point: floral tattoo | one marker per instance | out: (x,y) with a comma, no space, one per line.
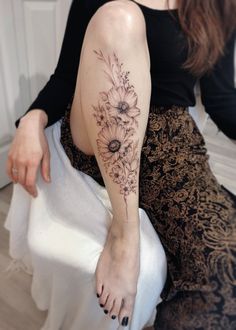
(116,114)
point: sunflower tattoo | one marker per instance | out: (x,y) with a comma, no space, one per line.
(116,114)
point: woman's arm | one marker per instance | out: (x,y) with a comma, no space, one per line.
(218,91)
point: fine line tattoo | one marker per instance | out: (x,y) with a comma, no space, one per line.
(116,114)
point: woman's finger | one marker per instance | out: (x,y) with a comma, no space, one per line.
(30,182)
(10,169)
(9,165)
(14,176)
(45,169)
(14,173)
(20,174)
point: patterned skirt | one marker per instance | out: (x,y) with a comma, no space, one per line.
(194,216)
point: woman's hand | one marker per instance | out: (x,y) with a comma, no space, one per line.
(28,148)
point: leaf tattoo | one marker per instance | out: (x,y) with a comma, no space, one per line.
(116,115)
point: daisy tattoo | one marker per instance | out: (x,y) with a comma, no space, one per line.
(116,114)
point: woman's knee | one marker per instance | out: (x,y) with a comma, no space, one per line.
(119,23)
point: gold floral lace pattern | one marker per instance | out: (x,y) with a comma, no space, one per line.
(194,216)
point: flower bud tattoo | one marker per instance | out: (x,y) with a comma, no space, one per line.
(116,114)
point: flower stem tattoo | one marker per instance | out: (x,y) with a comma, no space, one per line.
(116,114)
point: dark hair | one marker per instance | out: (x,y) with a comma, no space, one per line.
(208,24)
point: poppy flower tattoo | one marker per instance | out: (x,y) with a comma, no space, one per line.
(123,103)
(116,114)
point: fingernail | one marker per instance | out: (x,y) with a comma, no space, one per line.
(101,305)
(113,317)
(105,311)
(98,295)
(48,178)
(125,321)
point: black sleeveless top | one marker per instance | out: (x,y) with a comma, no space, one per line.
(171,84)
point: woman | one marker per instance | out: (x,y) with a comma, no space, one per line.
(123,83)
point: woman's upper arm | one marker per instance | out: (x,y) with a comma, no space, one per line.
(218,91)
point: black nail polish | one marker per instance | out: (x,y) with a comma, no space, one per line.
(113,317)
(101,305)
(98,295)
(105,311)
(125,321)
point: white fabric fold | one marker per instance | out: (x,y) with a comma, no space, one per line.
(58,238)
